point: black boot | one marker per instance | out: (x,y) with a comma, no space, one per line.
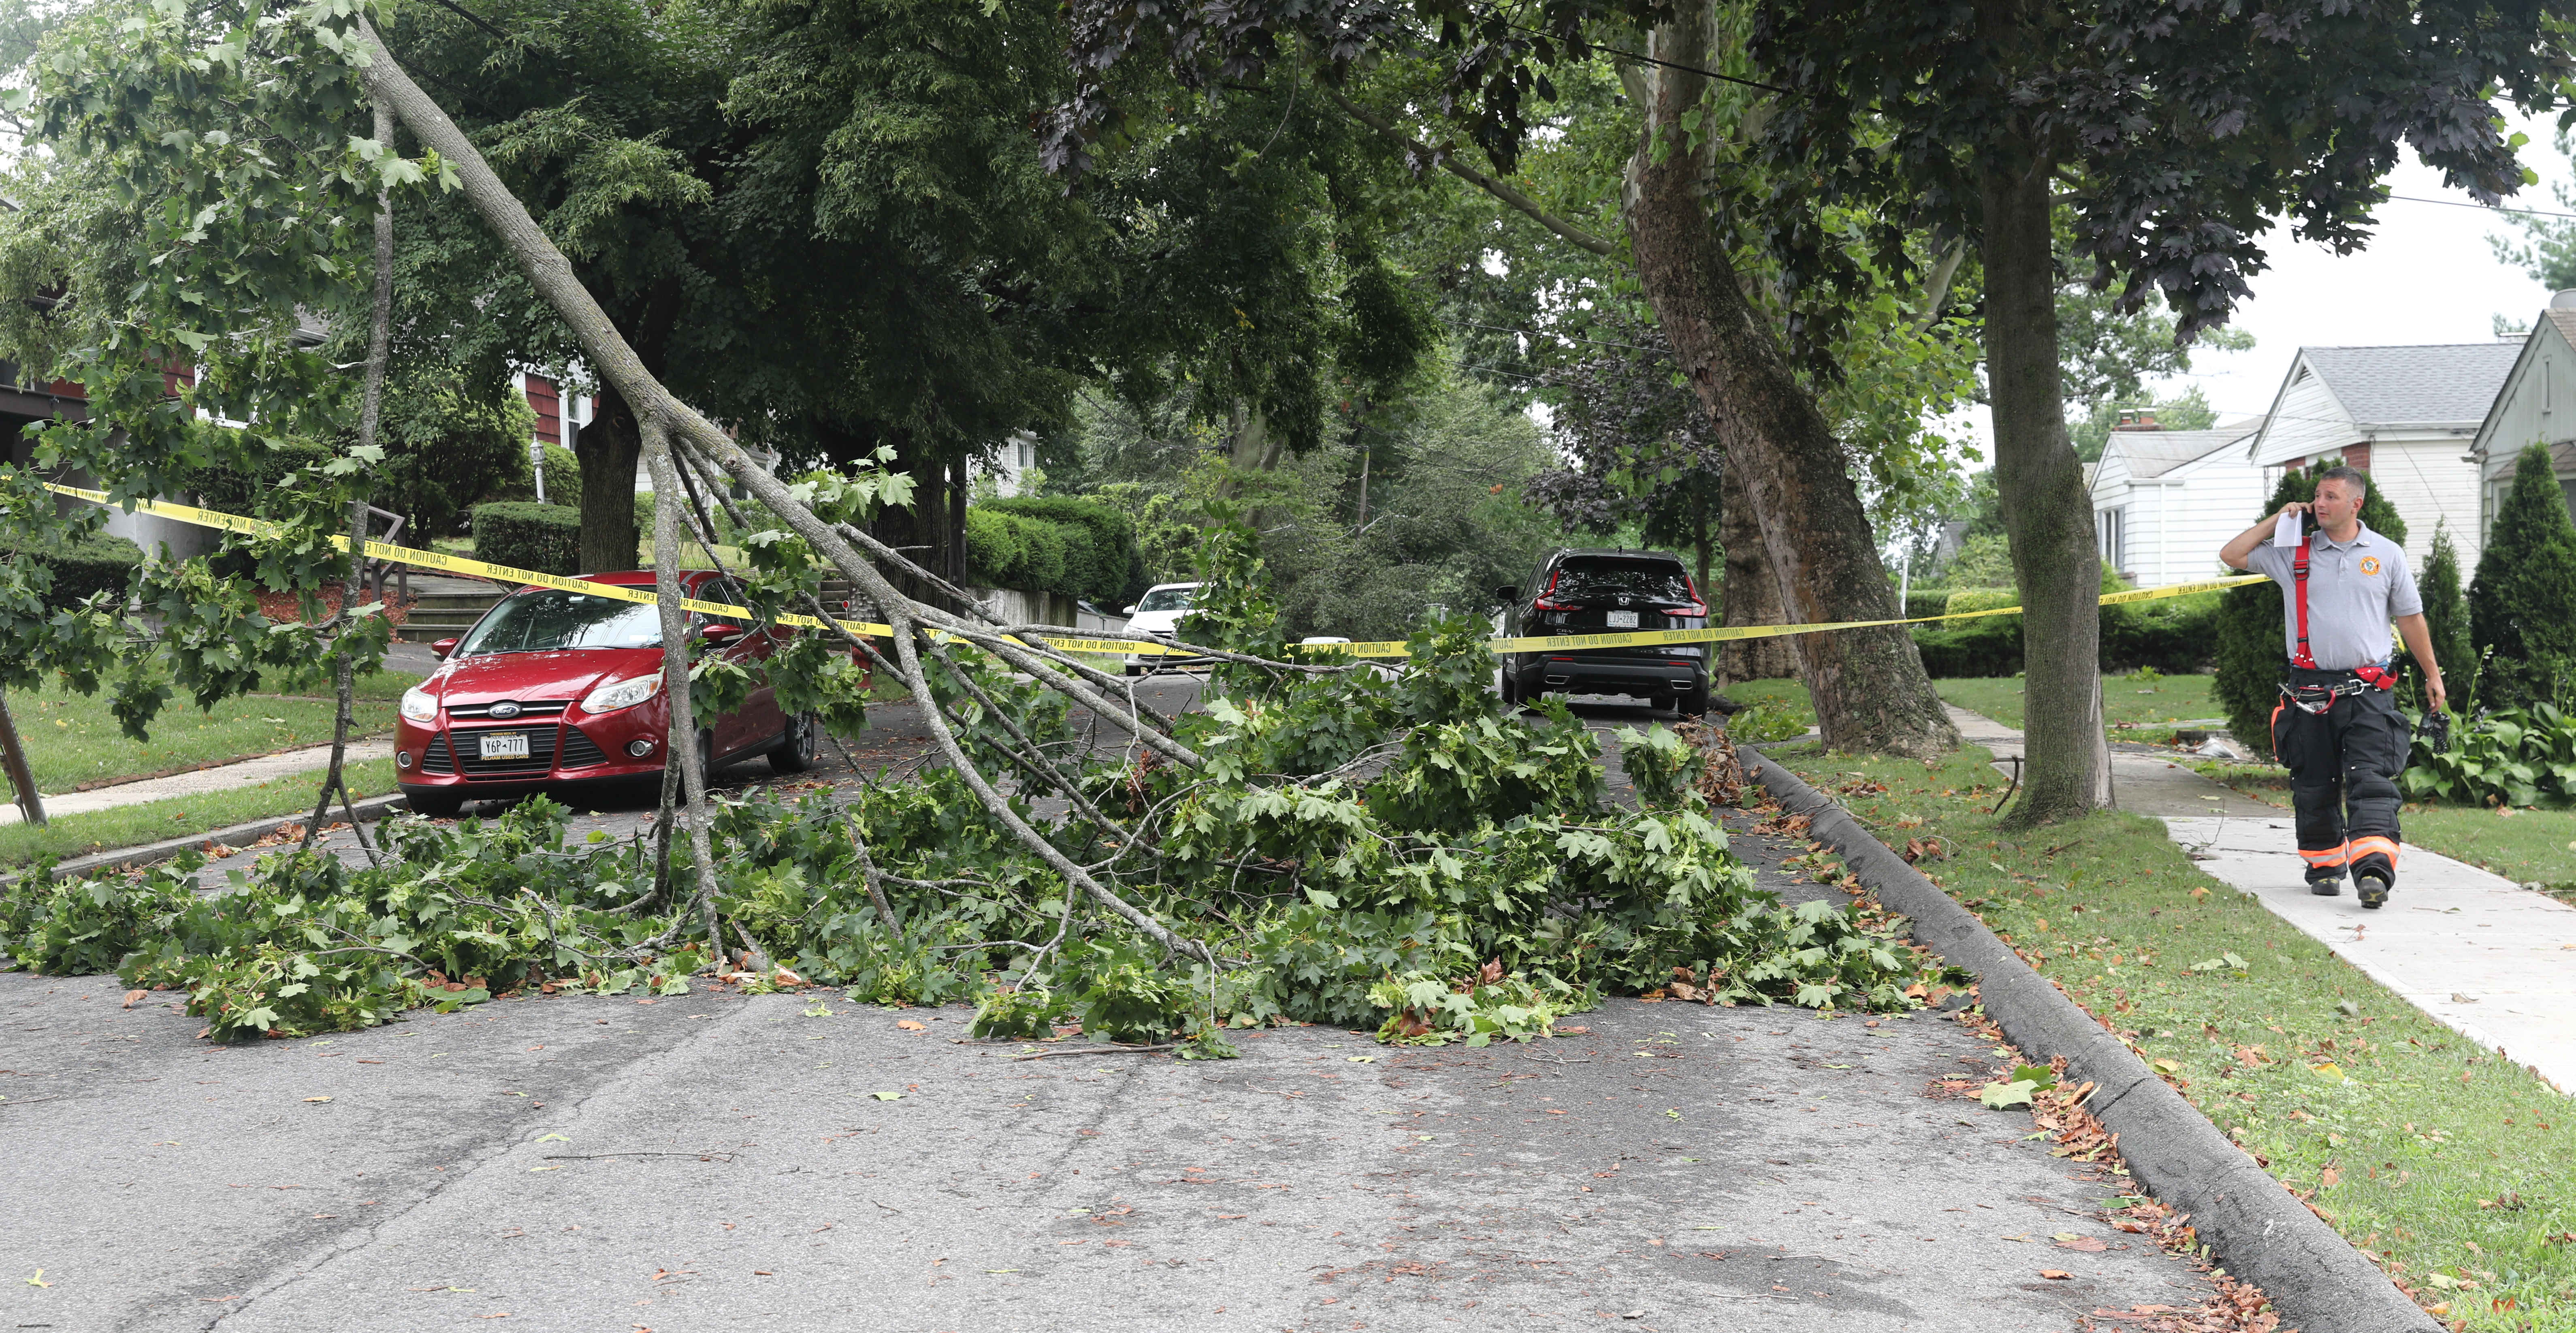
(2326,888)
(2373,886)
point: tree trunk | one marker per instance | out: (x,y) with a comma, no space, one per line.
(22,777)
(1868,686)
(960,486)
(1751,593)
(2048,514)
(608,449)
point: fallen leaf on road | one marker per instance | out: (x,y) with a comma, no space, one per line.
(133,995)
(2083,1244)
(317,1099)
(2055,1274)
(39,1279)
(911,1025)
(887,1096)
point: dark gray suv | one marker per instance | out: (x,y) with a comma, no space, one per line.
(1593,591)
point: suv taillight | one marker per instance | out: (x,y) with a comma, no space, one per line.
(1546,599)
(1699,604)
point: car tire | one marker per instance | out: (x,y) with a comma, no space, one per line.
(794,752)
(435,804)
(1694,703)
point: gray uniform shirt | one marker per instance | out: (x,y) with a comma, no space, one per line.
(2354,590)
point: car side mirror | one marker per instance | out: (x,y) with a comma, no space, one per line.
(1507,594)
(722,633)
(442,648)
(1131,610)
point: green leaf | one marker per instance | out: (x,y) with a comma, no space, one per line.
(1998,1096)
(887,1096)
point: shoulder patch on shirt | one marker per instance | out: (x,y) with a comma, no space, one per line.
(2370,564)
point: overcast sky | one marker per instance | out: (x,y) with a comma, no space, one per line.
(2428,276)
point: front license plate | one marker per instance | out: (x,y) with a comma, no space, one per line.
(1623,620)
(506,745)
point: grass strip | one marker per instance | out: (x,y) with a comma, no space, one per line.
(153,821)
(74,739)
(2453,1168)
(2137,707)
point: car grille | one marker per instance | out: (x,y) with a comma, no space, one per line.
(527,708)
(467,754)
(579,751)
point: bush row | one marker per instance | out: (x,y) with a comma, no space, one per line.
(90,564)
(545,538)
(2172,634)
(1079,548)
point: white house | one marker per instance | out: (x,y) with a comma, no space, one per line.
(2405,415)
(2536,406)
(2164,501)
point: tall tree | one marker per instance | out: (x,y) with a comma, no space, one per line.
(2173,134)
(1868,685)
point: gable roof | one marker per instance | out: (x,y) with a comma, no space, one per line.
(2430,384)
(2153,453)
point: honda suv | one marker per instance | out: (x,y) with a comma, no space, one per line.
(1606,592)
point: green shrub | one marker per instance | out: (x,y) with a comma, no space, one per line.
(2513,756)
(2168,634)
(2247,641)
(2522,607)
(1059,544)
(1921,601)
(236,489)
(89,564)
(2446,622)
(545,538)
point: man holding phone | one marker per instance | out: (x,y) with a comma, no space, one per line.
(2336,727)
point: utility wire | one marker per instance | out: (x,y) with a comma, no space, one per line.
(2491,208)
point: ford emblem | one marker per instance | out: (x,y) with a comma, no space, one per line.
(505,708)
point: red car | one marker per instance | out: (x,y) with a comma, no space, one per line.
(553,689)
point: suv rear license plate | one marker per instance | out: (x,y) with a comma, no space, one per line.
(507,745)
(1622,619)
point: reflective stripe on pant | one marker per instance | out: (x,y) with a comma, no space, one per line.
(2343,767)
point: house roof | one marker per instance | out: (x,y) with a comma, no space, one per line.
(2153,453)
(2446,383)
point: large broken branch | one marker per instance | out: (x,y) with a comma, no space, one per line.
(663,416)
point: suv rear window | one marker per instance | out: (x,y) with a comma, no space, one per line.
(1590,580)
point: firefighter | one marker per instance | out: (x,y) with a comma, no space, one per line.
(2337,727)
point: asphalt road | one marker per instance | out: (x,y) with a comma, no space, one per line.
(714,1161)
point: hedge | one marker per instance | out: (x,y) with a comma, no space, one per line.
(545,538)
(1059,544)
(2171,634)
(91,564)
(2522,605)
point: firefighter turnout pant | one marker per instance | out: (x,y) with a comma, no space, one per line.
(2343,762)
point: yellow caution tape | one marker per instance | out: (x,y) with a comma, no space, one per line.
(1377,648)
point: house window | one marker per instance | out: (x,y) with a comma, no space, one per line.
(2109,533)
(1028,454)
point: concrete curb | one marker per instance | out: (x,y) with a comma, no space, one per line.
(2262,1233)
(239,835)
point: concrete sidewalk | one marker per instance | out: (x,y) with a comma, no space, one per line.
(202,782)
(2484,956)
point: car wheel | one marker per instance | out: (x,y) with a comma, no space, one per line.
(435,804)
(794,752)
(1695,703)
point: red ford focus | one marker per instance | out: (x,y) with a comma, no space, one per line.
(554,689)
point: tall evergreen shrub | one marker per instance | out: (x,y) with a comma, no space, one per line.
(2446,620)
(2522,607)
(2250,650)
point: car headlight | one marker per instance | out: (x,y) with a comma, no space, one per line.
(618,694)
(419,705)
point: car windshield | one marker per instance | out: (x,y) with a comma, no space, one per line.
(549,619)
(1645,580)
(1168,599)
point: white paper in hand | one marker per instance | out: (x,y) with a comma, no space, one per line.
(2289,531)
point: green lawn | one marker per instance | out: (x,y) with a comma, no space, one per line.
(73,739)
(152,821)
(2124,699)
(2406,1133)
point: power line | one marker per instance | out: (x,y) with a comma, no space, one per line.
(2491,208)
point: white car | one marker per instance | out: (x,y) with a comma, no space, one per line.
(1159,613)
